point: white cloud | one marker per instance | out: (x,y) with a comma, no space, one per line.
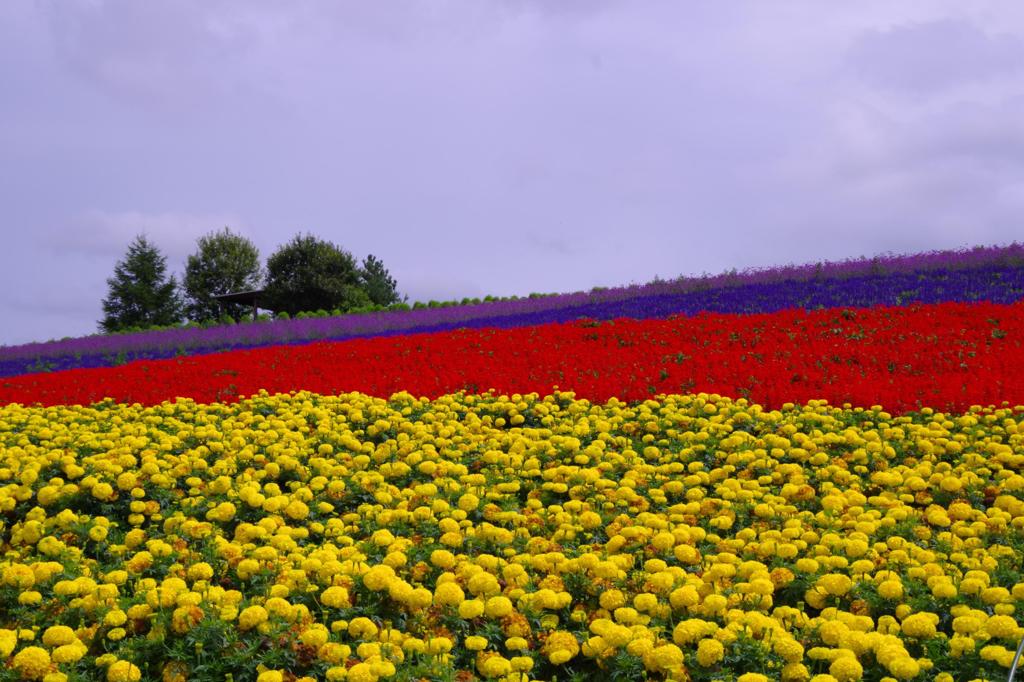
(108,234)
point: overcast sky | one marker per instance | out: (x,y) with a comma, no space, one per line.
(499,146)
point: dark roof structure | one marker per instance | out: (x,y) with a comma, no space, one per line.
(243,297)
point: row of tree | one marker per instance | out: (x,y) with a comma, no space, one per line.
(306,274)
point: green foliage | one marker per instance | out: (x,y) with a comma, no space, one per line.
(224,263)
(378,284)
(312,274)
(140,294)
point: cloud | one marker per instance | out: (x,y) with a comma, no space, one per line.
(108,234)
(503,146)
(926,57)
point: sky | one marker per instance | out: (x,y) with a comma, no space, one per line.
(499,146)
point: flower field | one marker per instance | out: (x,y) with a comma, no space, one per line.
(827,495)
(945,356)
(995,275)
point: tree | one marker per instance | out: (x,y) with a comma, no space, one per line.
(378,284)
(309,274)
(224,262)
(140,293)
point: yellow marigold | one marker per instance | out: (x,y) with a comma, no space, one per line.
(332,652)
(476,643)
(185,618)
(664,658)
(296,510)
(362,627)
(1001,627)
(8,640)
(115,618)
(123,671)
(795,672)
(280,607)
(471,608)
(684,597)
(904,668)
(920,625)
(270,676)
(32,663)
(645,602)
(30,598)
(361,672)
(846,669)
(710,652)
(516,644)
(379,577)
(561,647)
(890,589)
(493,665)
(752,677)
(336,597)
(315,635)
(498,607)
(200,571)
(57,635)
(449,594)
(70,653)
(419,598)
(483,584)
(442,558)
(788,648)
(438,645)
(835,584)
(252,616)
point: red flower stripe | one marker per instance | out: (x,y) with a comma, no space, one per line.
(947,356)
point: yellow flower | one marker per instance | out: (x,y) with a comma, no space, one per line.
(561,647)
(1001,627)
(493,665)
(123,671)
(498,607)
(612,599)
(315,636)
(379,577)
(904,668)
(32,663)
(30,598)
(438,645)
(709,652)
(335,597)
(788,648)
(251,617)
(361,672)
(200,571)
(270,676)
(57,635)
(8,640)
(442,558)
(835,584)
(890,589)
(449,594)
(920,625)
(476,643)
(846,669)
(362,628)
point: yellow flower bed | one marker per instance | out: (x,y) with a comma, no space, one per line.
(301,537)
